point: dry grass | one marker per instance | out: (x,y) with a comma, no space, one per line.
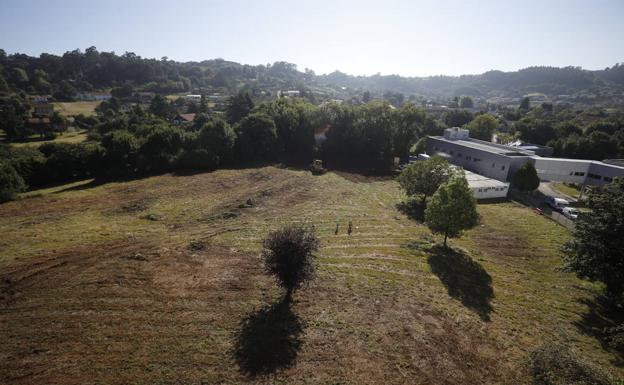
(158,281)
(70,136)
(77,108)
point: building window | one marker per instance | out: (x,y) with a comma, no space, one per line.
(451,152)
(493,165)
(468,157)
(607,179)
(578,173)
(503,168)
(594,176)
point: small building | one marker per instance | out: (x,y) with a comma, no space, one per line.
(43,110)
(184,118)
(486,188)
(289,93)
(93,96)
(38,99)
(193,98)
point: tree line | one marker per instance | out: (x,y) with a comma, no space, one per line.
(135,140)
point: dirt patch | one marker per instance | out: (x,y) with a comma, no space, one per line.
(501,243)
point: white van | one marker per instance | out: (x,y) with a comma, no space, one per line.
(557,204)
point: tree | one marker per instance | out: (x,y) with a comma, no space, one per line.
(257,137)
(466,102)
(13,113)
(525,104)
(596,251)
(239,106)
(10,182)
(160,107)
(452,208)
(457,118)
(420,147)
(409,122)
(425,177)
(121,148)
(217,138)
(366,96)
(288,255)
(526,179)
(483,126)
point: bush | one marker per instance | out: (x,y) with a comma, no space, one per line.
(121,148)
(198,159)
(28,162)
(65,161)
(289,256)
(10,182)
(553,364)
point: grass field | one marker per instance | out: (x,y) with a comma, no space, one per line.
(567,189)
(69,136)
(159,281)
(76,108)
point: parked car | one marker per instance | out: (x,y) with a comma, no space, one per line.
(557,204)
(570,212)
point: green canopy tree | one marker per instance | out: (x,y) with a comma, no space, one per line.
(466,102)
(452,208)
(238,106)
(257,137)
(10,182)
(425,177)
(526,179)
(596,251)
(483,126)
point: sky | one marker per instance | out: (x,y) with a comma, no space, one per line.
(408,38)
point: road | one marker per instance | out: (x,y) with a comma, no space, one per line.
(547,189)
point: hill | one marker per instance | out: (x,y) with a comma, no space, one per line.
(77,71)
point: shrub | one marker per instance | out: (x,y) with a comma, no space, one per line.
(198,159)
(28,162)
(10,182)
(553,364)
(289,256)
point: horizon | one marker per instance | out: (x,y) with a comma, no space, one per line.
(421,39)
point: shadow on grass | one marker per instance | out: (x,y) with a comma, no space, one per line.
(268,339)
(413,208)
(465,279)
(601,321)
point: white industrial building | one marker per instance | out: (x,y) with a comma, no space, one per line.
(486,188)
(500,162)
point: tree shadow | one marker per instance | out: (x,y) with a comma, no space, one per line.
(465,279)
(268,339)
(413,208)
(601,321)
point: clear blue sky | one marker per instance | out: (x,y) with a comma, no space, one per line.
(412,38)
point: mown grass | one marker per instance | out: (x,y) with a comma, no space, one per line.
(69,136)
(567,189)
(382,308)
(76,108)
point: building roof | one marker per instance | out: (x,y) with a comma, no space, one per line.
(486,146)
(187,117)
(480,181)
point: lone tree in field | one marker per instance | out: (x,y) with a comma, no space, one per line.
(526,178)
(289,256)
(596,251)
(452,208)
(424,177)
